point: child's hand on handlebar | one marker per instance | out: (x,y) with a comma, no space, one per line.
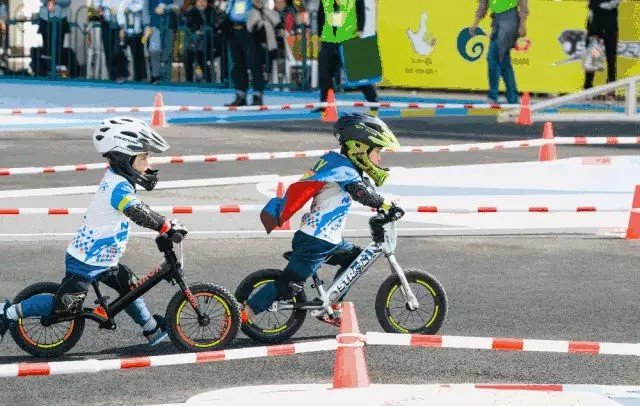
(176,231)
(391,210)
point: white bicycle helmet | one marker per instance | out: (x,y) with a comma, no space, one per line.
(120,139)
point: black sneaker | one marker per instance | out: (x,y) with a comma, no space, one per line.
(239,101)
(318,110)
(257,100)
(158,334)
(4,322)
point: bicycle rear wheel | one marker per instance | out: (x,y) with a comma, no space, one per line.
(45,341)
(270,326)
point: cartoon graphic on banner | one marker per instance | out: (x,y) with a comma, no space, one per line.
(422,40)
(470,47)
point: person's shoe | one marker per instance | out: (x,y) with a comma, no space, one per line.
(257,100)
(334,320)
(121,80)
(154,80)
(5,323)
(246,314)
(238,101)
(318,110)
(155,336)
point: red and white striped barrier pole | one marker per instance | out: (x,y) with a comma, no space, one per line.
(275,107)
(258,156)
(504,344)
(240,208)
(596,140)
(94,366)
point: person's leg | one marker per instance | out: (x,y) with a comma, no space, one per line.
(370,93)
(506,70)
(188,65)
(493,64)
(137,53)
(308,254)
(152,325)
(611,52)
(68,299)
(239,69)
(325,78)
(155,54)
(253,58)
(344,255)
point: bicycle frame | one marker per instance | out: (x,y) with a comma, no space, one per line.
(350,276)
(170,269)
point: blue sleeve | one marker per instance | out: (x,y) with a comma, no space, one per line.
(123,196)
(347,175)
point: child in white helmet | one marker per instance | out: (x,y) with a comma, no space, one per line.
(102,237)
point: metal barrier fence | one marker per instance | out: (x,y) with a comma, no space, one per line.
(79,45)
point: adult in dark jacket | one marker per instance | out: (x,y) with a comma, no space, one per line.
(200,20)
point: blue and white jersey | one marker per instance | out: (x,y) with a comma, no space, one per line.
(102,237)
(331,203)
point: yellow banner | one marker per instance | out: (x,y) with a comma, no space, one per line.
(426,44)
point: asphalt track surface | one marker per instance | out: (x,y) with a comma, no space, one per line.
(559,288)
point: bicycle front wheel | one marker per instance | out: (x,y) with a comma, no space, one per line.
(394,314)
(221,326)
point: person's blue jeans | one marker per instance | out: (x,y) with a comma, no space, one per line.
(503,37)
(43,305)
(309,253)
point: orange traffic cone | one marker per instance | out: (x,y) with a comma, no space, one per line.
(633,231)
(280,193)
(330,114)
(548,152)
(350,368)
(158,120)
(524,118)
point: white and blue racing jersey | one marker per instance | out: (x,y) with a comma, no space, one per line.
(102,237)
(331,203)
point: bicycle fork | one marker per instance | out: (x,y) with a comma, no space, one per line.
(203,319)
(410,298)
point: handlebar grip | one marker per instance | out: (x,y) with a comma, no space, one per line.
(177,237)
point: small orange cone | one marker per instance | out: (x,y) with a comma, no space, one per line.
(350,368)
(633,231)
(330,114)
(548,152)
(280,193)
(524,118)
(158,120)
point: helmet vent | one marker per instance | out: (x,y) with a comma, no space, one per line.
(104,129)
(129,134)
(99,137)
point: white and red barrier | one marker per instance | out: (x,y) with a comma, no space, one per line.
(275,107)
(371,338)
(350,368)
(257,156)
(240,208)
(260,156)
(94,366)
(504,344)
(596,141)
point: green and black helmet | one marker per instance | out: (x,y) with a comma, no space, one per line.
(358,134)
